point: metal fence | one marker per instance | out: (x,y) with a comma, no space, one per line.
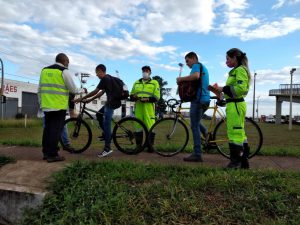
(286,90)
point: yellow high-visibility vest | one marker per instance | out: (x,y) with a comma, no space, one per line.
(53,91)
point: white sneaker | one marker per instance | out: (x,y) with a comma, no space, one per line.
(104,153)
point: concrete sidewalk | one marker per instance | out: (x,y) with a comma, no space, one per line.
(24,183)
(32,172)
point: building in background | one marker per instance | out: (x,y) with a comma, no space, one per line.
(21,98)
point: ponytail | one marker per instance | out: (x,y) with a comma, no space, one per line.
(241,58)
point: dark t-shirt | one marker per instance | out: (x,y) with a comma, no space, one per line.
(106,84)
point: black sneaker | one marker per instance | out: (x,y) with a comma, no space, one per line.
(68,148)
(58,158)
(193,158)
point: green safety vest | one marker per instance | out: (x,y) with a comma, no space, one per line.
(149,88)
(53,91)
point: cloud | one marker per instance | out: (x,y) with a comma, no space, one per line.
(274,29)
(164,17)
(274,78)
(281,3)
(278,5)
(237,22)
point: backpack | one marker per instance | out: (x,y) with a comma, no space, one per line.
(188,89)
(120,90)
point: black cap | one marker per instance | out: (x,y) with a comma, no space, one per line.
(146,68)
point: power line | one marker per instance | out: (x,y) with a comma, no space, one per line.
(21,76)
(15,53)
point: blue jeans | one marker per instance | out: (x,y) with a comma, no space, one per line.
(104,117)
(196,113)
(64,136)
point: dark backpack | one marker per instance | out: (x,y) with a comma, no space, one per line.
(120,90)
(188,89)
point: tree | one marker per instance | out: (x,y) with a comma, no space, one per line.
(161,104)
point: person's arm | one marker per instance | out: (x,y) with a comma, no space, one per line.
(193,76)
(68,78)
(240,87)
(92,93)
(98,95)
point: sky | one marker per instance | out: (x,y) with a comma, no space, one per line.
(126,35)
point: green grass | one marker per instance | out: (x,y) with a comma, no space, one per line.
(278,139)
(126,193)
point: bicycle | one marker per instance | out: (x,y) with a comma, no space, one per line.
(123,134)
(172,134)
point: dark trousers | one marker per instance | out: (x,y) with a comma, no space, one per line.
(54,123)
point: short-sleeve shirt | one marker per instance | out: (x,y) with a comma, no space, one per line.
(106,85)
(203,95)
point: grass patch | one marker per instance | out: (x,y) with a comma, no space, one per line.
(126,193)
(5,160)
(278,139)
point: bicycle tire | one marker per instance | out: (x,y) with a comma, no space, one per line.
(124,135)
(253,133)
(169,141)
(79,135)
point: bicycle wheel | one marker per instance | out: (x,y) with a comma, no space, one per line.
(253,133)
(129,135)
(171,136)
(79,135)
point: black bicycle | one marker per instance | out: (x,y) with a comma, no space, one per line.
(123,134)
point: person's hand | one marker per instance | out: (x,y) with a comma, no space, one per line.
(88,100)
(134,97)
(178,80)
(77,100)
(215,89)
(144,99)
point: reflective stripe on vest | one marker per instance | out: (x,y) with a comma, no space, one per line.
(140,89)
(53,91)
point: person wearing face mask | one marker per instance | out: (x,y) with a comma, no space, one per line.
(146,92)
(235,90)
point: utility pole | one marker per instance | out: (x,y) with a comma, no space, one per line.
(82,81)
(2,87)
(253,110)
(291,98)
(257,108)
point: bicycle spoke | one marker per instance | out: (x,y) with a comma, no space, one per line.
(79,135)
(130,135)
(170,137)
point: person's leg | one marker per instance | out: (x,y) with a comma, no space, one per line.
(149,120)
(195,116)
(53,127)
(108,113)
(100,117)
(64,136)
(235,117)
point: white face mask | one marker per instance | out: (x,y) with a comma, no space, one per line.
(146,75)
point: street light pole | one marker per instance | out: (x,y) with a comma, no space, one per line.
(291,98)
(253,110)
(2,87)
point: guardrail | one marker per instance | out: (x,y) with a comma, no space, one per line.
(285,92)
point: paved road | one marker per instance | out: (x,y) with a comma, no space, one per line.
(30,171)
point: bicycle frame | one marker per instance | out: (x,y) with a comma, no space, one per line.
(216,112)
